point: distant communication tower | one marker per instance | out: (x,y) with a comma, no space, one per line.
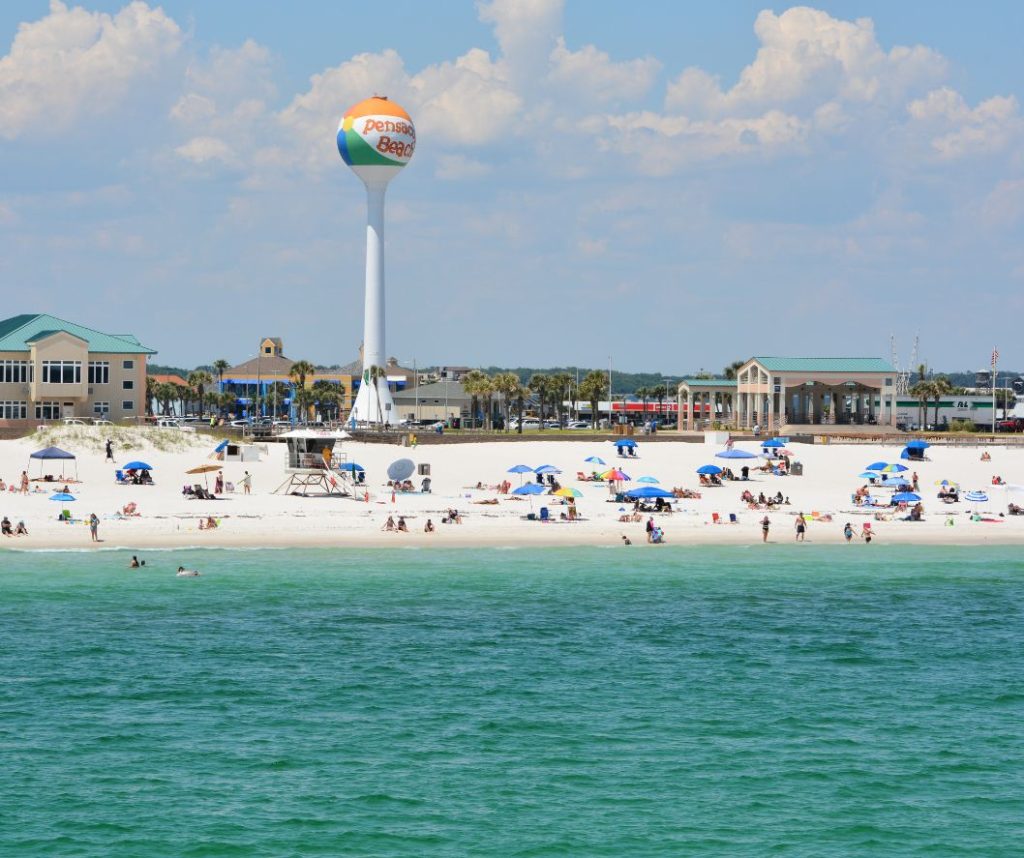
(903,371)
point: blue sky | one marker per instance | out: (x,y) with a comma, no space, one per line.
(672,185)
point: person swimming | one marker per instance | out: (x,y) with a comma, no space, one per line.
(187,573)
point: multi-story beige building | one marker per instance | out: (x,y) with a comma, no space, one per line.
(51,369)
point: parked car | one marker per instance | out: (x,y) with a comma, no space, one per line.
(241,424)
(1011,424)
(528,423)
(74,421)
(101,421)
(578,424)
(168,423)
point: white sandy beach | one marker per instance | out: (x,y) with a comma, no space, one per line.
(265,519)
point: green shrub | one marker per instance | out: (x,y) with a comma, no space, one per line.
(962,426)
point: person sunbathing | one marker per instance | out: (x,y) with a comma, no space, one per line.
(1014,509)
(985,457)
(5,527)
(389,524)
(428,527)
(402,526)
(21,530)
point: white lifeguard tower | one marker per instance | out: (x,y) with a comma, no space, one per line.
(313,466)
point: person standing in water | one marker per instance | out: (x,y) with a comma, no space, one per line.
(765,524)
(94,527)
(801,527)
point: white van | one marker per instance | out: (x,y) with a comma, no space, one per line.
(168,423)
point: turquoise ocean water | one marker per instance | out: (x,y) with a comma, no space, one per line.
(725,702)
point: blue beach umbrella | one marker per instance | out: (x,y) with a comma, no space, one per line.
(906,497)
(137,466)
(894,469)
(520,469)
(895,482)
(918,444)
(62,496)
(625,442)
(648,492)
(709,470)
(546,469)
(735,454)
(774,442)
(975,497)
(869,475)
(647,480)
(350,466)
(876,466)
(529,489)
(595,460)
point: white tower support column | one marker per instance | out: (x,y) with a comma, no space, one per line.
(374,406)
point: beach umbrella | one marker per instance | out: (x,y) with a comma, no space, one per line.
(351,467)
(709,470)
(735,454)
(975,497)
(947,483)
(520,469)
(595,460)
(616,476)
(773,442)
(569,493)
(648,480)
(648,492)
(529,488)
(893,482)
(876,466)
(137,466)
(906,497)
(62,496)
(546,469)
(869,475)
(893,469)
(918,444)
(401,469)
(204,470)
(624,442)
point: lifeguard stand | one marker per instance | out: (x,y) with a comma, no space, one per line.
(313,466)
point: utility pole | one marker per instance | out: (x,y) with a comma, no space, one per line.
(611,410)
(995,362)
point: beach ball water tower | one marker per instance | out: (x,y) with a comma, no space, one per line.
(376,138)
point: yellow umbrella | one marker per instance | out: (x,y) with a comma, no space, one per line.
(569,493)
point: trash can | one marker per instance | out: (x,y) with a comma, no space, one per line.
(796,469)
(423,470)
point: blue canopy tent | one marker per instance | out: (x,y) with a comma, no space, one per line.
(648,492)
(735,454)
(49,454)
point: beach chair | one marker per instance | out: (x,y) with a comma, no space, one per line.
(733,519)
(544,514)
(716,518)
(119,476)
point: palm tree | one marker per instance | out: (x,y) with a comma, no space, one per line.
(519,394)
(561,384)
(507,384)
(227,403)
(151,393)
(219,366)
(593,388)
(198,380)
(299,372)
(922,372)
(542,386)
(643,394)
(329,396)
(922,390)
(486,393)
(658,393)
(165,393)
(277,392)
(474,382)
(940,387)
(304,399)
(373,375)
(733,368)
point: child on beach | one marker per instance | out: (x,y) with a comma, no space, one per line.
(848,531)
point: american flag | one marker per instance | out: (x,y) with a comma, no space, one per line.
(995,357)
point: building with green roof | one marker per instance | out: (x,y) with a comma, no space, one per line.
(51,368)
(772,392)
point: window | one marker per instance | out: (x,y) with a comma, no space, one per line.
(15,371)
(13,410)
(101,409)
(128,384)
(128,364)
(99,372)
(48,411)
(888,382)
(62,372)
(127,404)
